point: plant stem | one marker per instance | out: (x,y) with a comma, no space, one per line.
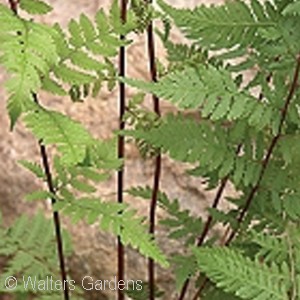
(158,161)
(56,220)
(14,5)
(271,148)
(121,147)
(207,225)
(205,230)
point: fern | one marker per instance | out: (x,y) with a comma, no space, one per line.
(188,141)
(24,54)
(212,91)
(116,218)
(272,248)
(30,248)
(224,26)
(180,224)
(238,274)
(33,65)
(85,56)
(185,267)
(54,128)
(35,7)
(35,168)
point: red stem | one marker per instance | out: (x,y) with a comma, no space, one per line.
(158,162)
(207,225)
(121,148)
(14,5)
(56,220)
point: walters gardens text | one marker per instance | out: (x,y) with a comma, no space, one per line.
(88,283)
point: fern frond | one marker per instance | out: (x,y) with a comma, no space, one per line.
(117,218)
(35,7)
(52,86)
(27,50)
(292,9)
(247,279)
(272,248)
(84,52)
(30,247)
(210,89)
(185,268)
(35,168)
(54,128)
(224,26)
(180,223)
(189,141)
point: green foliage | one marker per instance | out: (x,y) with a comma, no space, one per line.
(231,129)
(223,26)
(35,168)
(39,56)
(52,127)
(185,268)
(27,51)
(85,56)
(35,7)
(29,245)
(116,218)
(247,279)
(180,223)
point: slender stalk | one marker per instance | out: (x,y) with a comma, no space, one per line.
(207,225)
(56,220)
(274,141)
(121,148)
(201,288)
(205,230)
(47,170)
(158,161)
(14,5)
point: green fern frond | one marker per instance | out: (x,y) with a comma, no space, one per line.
(27,50)
(35,168)
(272,248)
(247,279)
(84,52)
(211,292)
(223,26)
(37,7)
(30,247)
(210,89)
(52,86)
(292,8)
(116,218)
(185,268)
(54,128)
(72,76)
(180,223)
(189,141)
